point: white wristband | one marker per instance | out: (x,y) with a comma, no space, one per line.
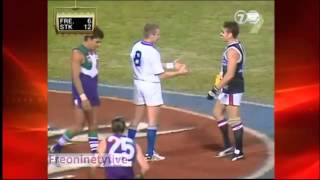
(83,97)
(170,65)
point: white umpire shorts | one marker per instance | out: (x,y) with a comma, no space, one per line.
(230,99)
(147,93)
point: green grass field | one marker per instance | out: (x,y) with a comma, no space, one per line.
(188,28)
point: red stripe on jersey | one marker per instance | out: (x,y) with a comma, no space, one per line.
(231,99)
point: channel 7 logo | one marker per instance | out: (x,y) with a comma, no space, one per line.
(251,17)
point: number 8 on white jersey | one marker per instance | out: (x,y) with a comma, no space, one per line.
(146,62)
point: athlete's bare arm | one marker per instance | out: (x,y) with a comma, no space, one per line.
(233,57)
(76,61)
(102,148)
(101,151)
(141,160)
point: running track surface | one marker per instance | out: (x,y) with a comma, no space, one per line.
(190,153)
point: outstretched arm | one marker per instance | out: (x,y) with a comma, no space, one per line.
(178,67)
(170,74)
(175,65)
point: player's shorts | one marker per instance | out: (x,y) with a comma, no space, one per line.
(119,173)
(90,88)
(147,93)
(230,99)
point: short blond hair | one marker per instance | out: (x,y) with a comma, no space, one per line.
(150,29)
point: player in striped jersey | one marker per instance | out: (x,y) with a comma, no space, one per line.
(229,91)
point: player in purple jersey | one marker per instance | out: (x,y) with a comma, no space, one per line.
(84,65)
(120,153)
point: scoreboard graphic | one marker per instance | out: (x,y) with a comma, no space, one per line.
(74,20)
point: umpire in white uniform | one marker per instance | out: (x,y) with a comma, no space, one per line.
(148,70)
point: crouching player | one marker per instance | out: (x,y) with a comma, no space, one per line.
(232,87)
(121,153)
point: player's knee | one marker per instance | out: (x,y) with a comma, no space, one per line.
(217,116)
(214,118)
(234,121)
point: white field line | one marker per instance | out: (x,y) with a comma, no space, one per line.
(84,137)
(63,177)
(56,132)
